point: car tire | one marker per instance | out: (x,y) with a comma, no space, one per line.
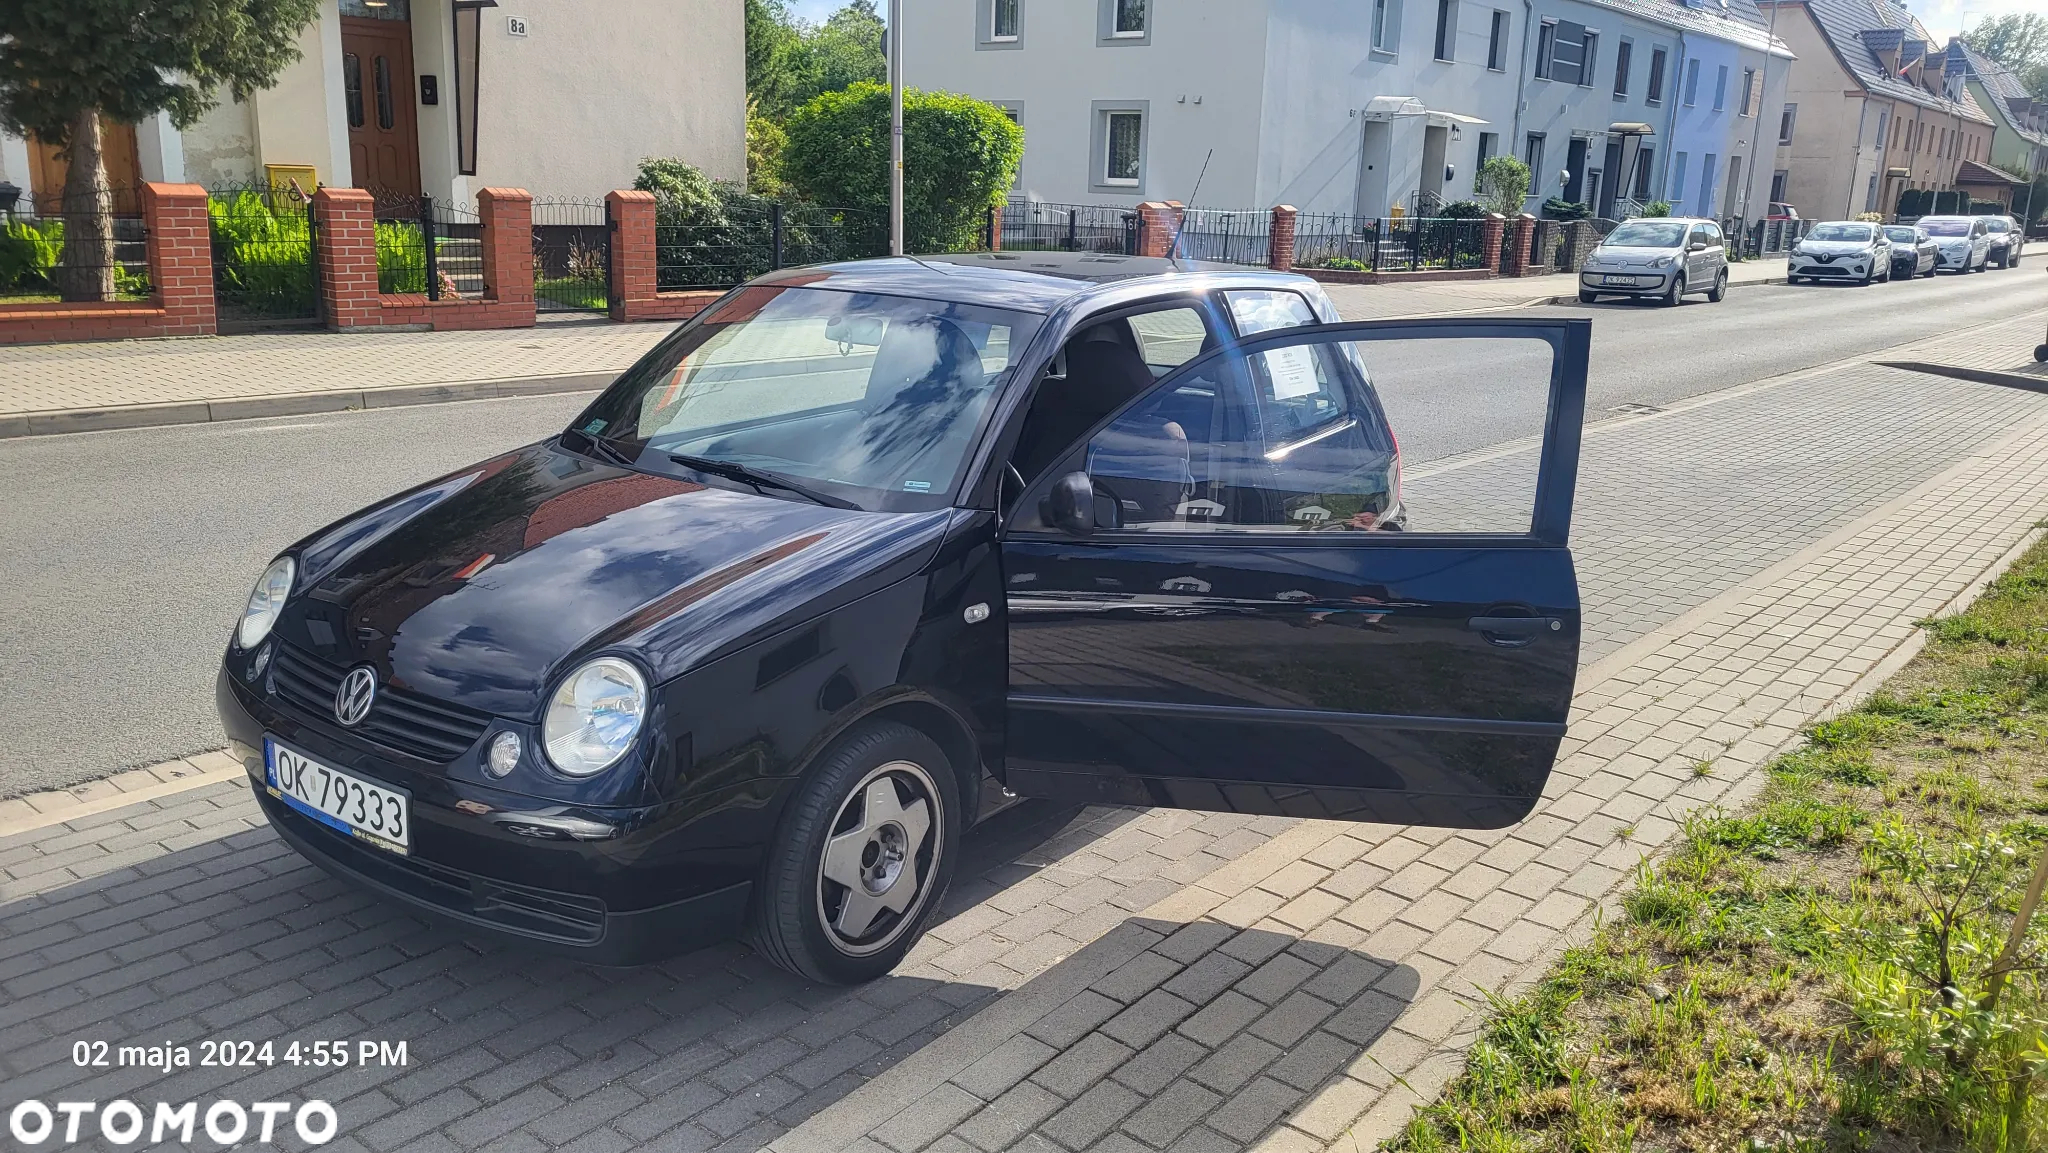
(1587,297)
(1720,289)
(2041,353)
(1676,296)
(852,830)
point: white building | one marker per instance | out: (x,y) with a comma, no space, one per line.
(1340,106)
(444,97)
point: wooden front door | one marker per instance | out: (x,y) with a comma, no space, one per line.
(383,120)
(118,153)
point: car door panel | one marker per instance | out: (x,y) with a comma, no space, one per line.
(1373,676)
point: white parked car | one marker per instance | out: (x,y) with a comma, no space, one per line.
(1964,241)
(1841,250)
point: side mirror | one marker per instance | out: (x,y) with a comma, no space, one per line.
(1697,246)
(1073,504)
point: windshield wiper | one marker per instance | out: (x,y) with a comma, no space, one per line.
(606,449)
(758,478)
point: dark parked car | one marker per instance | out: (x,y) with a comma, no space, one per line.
(738,648)
(2008,240)
(1913,251)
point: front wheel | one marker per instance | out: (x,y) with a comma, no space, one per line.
(861,858)
(1677,294)
(1720,288)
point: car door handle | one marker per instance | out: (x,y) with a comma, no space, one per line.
(1520,630)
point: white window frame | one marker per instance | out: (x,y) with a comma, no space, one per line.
(1497,33)
(1788,124)
(1589,57)
(1385,28)
(1445,48)
(1546,43)
(1654,80)
(1721,88)
(1691,95)
(986,37)
(1108,35)
(1104,111)
(1624,66)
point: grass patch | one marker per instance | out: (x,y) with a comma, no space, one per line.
(1814,973)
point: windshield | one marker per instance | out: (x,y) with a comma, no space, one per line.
(1946,227)
(869,399)
(1994,224)
(1903,235)
(1647,234)
(1854,233)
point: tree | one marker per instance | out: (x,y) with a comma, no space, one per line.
(2018,40)
(790,62)
(1503,184)
(65,67)
(960,156)
(775,52)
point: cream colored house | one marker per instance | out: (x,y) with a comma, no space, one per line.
(443,97)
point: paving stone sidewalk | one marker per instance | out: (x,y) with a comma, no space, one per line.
(1103,978)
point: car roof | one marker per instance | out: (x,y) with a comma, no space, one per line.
(1025,281)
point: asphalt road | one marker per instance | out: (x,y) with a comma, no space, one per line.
(126,556)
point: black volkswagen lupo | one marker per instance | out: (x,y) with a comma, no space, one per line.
(737,649)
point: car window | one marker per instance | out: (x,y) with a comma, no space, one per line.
(1711,233)
(1835,230)
(1901,235)
(1646,234)
(1169,338)
(1262,311)
(1993,224)
(1945,227)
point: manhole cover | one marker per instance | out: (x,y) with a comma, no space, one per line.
(1634,409)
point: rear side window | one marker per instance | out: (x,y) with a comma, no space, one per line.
(1169,338)
(1262,311)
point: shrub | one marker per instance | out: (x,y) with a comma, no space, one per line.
(960,158)
(28,252)
(401,257)
(1558,208)
(264,251)
(1871,217)
(1503,184)
(1657,208)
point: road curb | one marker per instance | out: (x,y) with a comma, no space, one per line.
(56,422)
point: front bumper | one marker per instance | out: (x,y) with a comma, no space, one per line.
(1837,270)
(608,886)
(1647,283)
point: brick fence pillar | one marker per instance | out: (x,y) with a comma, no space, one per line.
(1280,238)
(346,261)
(1491,237)
(995,228)
(1520,233)
(507,218)
(180,249)
(1158,225)
(632,215)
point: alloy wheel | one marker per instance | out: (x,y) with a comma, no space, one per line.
(878,859)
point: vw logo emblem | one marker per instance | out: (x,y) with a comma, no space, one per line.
(352,700)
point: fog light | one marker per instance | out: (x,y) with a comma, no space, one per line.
(504,754)
(254,672)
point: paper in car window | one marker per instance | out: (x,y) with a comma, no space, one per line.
(1293,372)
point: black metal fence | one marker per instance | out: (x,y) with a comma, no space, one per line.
(1042,226)
(429,247)
(263,256)
(104,239)
(1388,243)
(572,255)
(696,247)
(1226,236)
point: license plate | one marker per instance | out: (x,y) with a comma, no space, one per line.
(342,801)
(1628,280)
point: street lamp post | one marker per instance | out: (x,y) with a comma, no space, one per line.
(896,127)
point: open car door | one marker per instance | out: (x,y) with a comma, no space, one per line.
(1236,594)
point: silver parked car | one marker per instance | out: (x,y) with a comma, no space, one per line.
(2007,239)
(1964,241)
(1659,257)
(1913,251)
(1841,250)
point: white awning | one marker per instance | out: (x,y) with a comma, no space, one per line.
(1389,107)
(1436,117)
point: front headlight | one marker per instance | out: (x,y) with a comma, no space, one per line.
(1662,262)
(266,602)
(594,717)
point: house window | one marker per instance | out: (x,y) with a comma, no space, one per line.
(1707,185)
(1003,21)
(1446,28)
(1532,155)
(1721,88)
(1870,195)
(380,74)
(1790,117)
(1570,55)
(1622,52)
(1489,145)
(1748,92)
(1677,181)
(352,87)
(1654,94)
(1123,154)
(1497,42)
(1383,25)
(1646,160)
(1129,19)
(1546,36)
(1778,179)
(1589,58)
(1015,113)
(1733,195)
(1692,83)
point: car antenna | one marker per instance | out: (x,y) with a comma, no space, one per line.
(1173,253)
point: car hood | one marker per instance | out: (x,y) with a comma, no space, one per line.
(481,587)
(1604,257)
(1832,247)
